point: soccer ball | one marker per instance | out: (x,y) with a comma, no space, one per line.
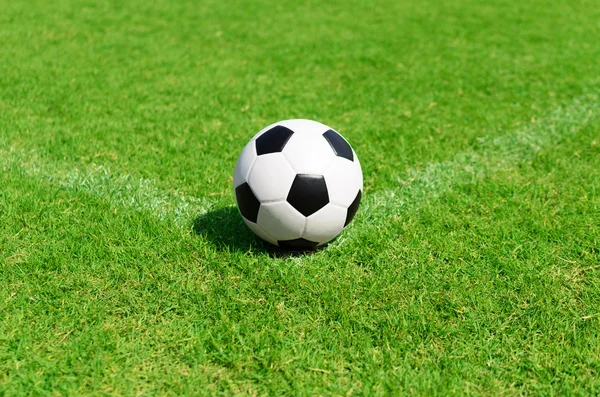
(297,184)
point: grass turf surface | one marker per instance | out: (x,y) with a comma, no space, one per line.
(487,283)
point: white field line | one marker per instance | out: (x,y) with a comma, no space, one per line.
(122,190)
(492,155)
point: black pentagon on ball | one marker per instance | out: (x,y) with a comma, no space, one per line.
(308,194)
(298,244)
(353,208)
(340,147)
(247,202)
(274,140)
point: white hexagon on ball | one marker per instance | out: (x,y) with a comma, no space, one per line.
(271,177)
(244,165)
(309,154)
(298,184)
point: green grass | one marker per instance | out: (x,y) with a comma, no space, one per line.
(472,268)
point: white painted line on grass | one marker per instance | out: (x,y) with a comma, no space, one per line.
(492,155)
(122,190)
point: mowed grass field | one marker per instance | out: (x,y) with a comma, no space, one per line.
(472,267)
